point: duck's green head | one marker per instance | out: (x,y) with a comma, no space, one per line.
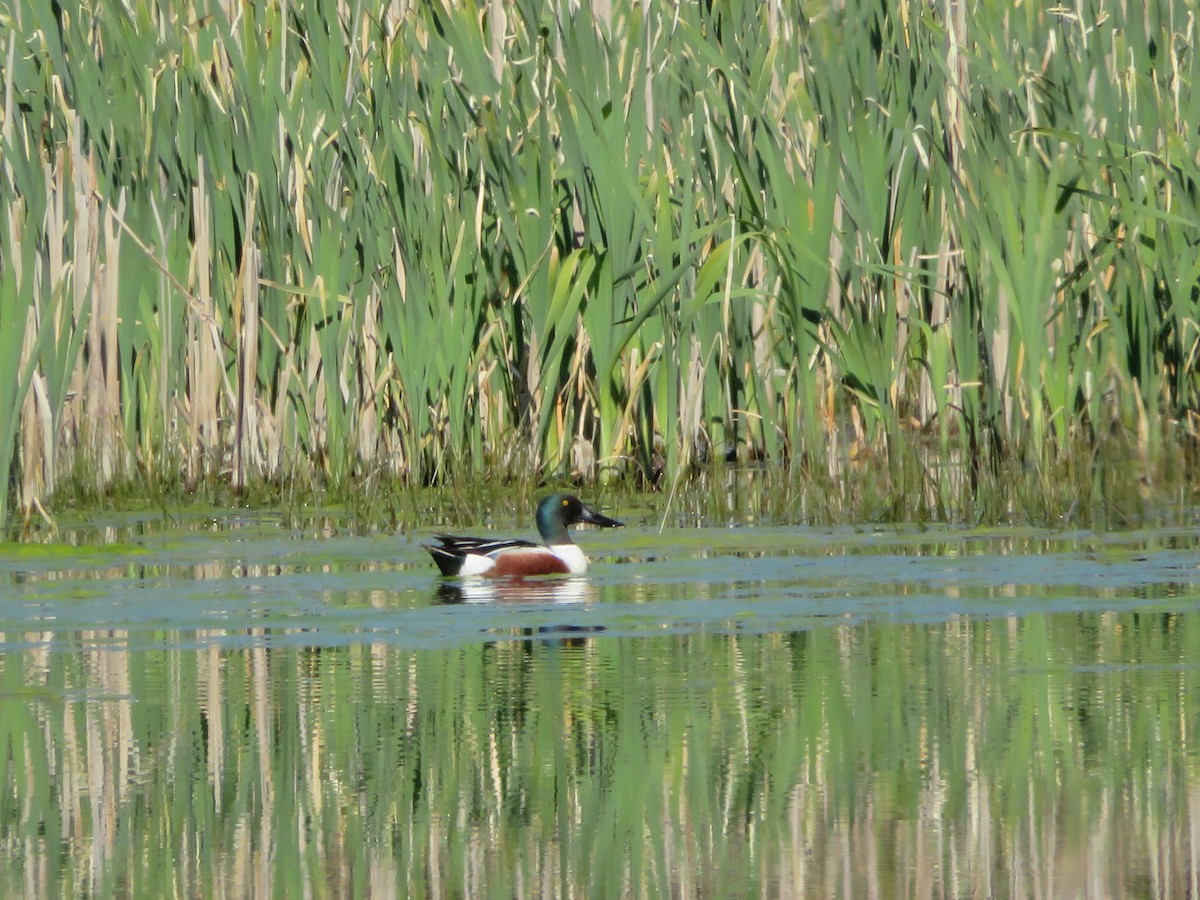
(558,511)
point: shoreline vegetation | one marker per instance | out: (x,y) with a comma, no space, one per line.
(925,261)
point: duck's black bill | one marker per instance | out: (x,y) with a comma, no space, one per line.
(591,517)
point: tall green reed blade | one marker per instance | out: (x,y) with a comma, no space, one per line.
(570,282)
(718,315)
(865,350)
(866,354)
(788,196)
(16,304)
(331,317)
(1181,278)
(1021,249)
(659,290)
(548,281)
(456,382)
(144,340)
(604,144)
(35,276)
(1158,246)
(433,318)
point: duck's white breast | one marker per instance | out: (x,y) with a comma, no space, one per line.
(571,554)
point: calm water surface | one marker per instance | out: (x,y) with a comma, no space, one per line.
(242,710)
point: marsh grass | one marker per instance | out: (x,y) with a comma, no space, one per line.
(328,244)
(1095,487)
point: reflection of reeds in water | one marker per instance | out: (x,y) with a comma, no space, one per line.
(985,758)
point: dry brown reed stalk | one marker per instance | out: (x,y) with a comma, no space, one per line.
(85,260)
(203,349)
(102,400)
(247,464)
(365,364)
(37,429)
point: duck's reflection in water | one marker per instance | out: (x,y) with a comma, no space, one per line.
(541,591)
(536,592)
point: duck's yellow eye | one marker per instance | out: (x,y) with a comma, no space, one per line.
(566,503)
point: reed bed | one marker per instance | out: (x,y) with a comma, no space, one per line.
(315,244)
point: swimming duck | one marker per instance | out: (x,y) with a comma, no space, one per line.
(556,555)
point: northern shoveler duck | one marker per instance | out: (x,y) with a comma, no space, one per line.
(557,555)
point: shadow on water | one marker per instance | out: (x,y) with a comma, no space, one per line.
(788,712)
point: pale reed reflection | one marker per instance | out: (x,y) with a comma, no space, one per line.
(1036,757)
